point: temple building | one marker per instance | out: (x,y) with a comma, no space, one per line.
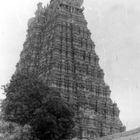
(60,51)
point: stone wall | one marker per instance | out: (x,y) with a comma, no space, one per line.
(128,135)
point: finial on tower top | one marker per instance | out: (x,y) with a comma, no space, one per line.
(40,9)
(80,2)
(77,3)
(39,5)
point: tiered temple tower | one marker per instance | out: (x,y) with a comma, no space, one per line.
(59,50)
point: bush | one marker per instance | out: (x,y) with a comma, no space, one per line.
(13,131)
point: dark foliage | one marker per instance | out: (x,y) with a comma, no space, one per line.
(29,101)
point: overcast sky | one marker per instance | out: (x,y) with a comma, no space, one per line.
(115,28)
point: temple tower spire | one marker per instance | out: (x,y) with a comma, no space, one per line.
(60,51)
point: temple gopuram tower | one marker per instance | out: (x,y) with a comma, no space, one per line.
(60,51)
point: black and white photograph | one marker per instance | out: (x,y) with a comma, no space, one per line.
(70,70)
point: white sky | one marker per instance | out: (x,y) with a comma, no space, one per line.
(115,28)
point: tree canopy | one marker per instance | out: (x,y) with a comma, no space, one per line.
(29,101)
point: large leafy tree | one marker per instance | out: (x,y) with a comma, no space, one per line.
(29,101)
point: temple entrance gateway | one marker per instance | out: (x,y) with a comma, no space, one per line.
(60,51)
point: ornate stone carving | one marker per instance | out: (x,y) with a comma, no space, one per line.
(31,22)
(59,50)
(77,3)
(87,113)
(39,10)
